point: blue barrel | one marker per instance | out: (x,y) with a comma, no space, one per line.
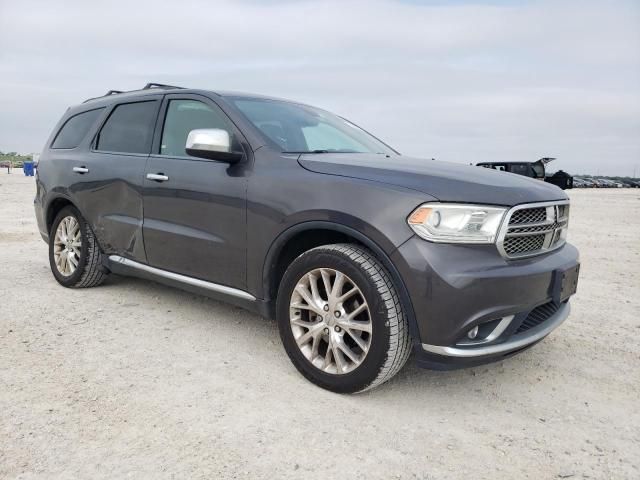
(28,169)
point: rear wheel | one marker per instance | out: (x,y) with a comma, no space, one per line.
(340,319)
(74,255)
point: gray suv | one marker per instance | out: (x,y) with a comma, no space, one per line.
(361,254)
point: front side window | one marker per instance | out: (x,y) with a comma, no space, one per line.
(182,117)
(75,129)
(298,128)
(129,128)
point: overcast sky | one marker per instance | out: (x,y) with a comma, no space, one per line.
(460,81)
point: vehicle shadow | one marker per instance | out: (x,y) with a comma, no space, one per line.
(261,337)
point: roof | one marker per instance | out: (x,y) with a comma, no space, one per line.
(152,89)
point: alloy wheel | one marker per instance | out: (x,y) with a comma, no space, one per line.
(330,321)
(67,245)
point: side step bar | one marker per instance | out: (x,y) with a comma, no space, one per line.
(214,287)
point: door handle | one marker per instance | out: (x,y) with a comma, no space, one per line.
(158,177)
(81,170)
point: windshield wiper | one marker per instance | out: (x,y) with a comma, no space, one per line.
(324,151)
(310,151)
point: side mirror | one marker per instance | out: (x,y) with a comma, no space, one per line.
(212,144)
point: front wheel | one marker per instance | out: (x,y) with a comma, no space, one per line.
(74,253)
(340,319)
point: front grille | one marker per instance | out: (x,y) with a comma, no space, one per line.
(537,316)
(515,245)
(529,215)
(534,229)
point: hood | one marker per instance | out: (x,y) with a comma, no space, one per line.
(447,182)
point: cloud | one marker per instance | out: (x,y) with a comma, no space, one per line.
(463,82)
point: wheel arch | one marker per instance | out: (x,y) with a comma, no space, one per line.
(53,208)
(304,236)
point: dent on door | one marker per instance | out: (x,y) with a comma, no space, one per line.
(112,202)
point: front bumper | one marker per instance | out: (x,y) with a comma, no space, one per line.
(454,288)
(513,343)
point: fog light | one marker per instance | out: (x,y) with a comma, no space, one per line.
(473,333)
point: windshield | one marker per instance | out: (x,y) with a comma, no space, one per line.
(295,128)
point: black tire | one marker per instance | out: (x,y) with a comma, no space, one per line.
(390,339)
(90,271)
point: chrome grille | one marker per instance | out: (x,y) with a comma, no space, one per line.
(515,245)
(534,229)
(529,215)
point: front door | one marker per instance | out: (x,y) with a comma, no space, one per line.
(194,209)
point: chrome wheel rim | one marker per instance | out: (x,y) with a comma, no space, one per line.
(330,321)
(67,245)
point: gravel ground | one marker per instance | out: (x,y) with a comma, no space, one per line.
(134,379)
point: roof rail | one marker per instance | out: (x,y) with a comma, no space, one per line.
(158,85)
(148,86)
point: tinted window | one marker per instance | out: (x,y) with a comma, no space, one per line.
(129,128)
(75,129)
(182,117)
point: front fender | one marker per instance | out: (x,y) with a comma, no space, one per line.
(370,237)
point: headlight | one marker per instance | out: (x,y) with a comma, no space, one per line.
(453,223)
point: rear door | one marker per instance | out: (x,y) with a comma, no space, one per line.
(108,178)
(194,209)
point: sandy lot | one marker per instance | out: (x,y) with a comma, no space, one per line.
(137,380)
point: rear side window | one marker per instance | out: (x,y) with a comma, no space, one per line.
(75,129)
(129,128)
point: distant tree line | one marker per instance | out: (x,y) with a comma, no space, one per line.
(14,159)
